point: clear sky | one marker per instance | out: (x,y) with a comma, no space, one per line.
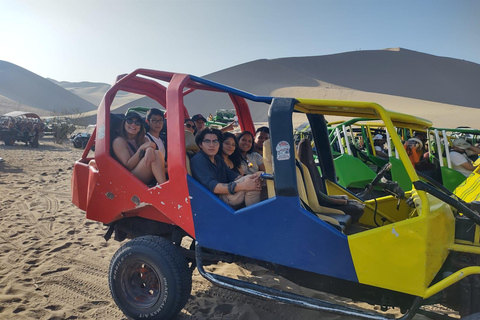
(95,40)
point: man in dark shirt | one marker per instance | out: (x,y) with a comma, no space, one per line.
(212,172)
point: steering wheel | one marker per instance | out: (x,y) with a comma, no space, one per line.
(380,175)
(390,187)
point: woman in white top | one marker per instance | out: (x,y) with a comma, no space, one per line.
(136,152)
(251,161)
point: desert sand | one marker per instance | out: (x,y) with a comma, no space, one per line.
(54,262)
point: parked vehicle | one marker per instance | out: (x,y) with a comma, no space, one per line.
(21,126)
(409,249)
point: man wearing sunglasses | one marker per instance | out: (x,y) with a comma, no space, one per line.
(155,120)
(212,172)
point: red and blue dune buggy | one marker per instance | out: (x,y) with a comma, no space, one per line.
(409,249)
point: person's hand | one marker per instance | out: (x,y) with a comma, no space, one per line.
(251,183)
(147,144)
(149,157)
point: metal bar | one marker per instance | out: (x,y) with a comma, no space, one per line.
(439,147)
(447,152)
(345,135)
(339,140)
(450,280)
(263,292)
(389,144)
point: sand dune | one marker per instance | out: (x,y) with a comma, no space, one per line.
(28,88)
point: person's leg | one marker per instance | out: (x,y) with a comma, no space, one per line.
(252,197)
(158,167)
(155,169)
(233,199)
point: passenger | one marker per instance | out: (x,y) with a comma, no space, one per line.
(136,152)
(229,152)
(155,119)
(379,143)
(262,134)
(189,125)
(212,172)
(414,148)
(251,161)
(200,122)
(458,156)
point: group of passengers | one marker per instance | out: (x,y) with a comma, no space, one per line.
(462,153)
(227,165)
(27,130)
(142,154)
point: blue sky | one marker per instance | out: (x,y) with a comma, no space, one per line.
(95,40)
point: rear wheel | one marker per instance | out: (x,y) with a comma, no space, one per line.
(9,140)
(149,278)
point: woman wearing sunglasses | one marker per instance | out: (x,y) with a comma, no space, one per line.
(190,125)
(136,152)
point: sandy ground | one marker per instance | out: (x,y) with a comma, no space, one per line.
(54,262)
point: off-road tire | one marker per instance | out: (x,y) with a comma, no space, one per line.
(9,140)
(473,316)
(149,278)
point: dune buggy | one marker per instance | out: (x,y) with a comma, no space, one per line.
(412,248)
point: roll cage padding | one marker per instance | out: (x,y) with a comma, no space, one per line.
(322,144)
(283,147)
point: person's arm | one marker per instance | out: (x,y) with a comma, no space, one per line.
(202,172)
(120,148)
(468,165)
(474,149)
(149,151)
(380,153)
(228,127)
(249,184)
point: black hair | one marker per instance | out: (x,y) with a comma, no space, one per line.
(262,129)
(201,135)
(155,112)
(253,140)
(235,157)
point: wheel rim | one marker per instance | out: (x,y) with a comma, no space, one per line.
(141,284)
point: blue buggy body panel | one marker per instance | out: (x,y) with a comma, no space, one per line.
(276,230)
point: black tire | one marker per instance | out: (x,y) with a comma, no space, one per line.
(149,278)
(9,140)
(473,316)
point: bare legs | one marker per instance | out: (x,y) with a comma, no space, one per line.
(156,169)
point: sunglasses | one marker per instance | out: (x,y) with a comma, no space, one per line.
(136,122)
(188,125)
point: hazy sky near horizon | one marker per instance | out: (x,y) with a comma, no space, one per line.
(95,40)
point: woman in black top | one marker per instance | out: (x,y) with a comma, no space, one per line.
(230,153)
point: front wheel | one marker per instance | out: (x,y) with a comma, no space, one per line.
(149,278)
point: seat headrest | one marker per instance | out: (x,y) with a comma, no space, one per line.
(190,144)
(305,151)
